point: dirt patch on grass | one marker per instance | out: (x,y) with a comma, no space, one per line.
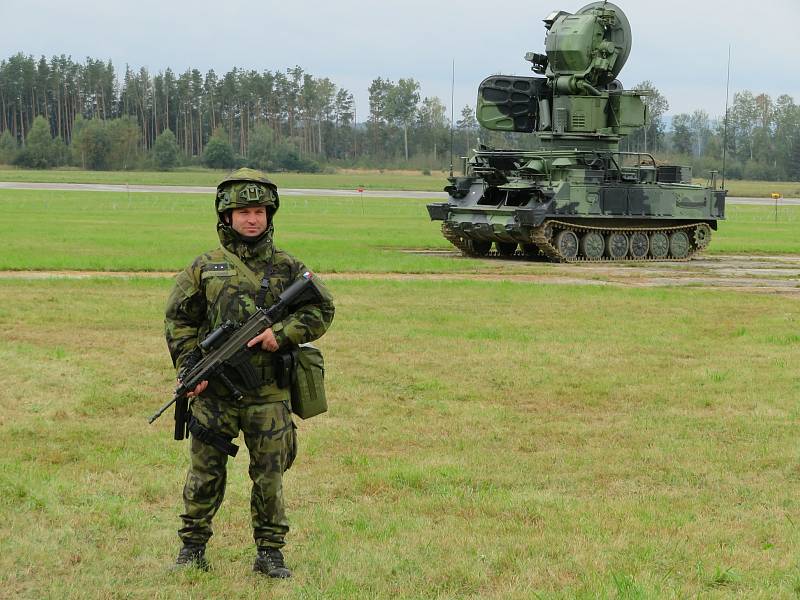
(766,274)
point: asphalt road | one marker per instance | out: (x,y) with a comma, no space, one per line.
(181,189)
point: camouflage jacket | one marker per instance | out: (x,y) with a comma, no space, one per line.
(211,291)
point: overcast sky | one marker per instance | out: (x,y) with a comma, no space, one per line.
(680,45)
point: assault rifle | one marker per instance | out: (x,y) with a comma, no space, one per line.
(227,346)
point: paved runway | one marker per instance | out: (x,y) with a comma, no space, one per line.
(181,189)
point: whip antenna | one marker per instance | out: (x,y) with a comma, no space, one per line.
(725,129)
(452,113)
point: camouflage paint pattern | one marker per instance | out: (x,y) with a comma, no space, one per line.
(245,187)
(270,437)
(592,46)
(572,177)
(210,291)
(207,293)
(508,212)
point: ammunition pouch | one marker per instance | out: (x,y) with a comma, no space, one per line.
(212,438)
(284,364)
(308,383)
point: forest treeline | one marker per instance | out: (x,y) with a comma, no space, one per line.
(62,112)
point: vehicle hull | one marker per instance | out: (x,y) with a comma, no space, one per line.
(485,220)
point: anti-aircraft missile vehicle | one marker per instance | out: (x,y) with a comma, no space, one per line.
(575,196)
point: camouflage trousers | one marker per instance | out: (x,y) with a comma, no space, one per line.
(270,437)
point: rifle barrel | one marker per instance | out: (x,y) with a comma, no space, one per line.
(161,410)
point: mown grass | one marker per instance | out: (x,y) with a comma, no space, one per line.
(341,179)
(755,229)
(748,188)
(159,231)
(483,441)
(762,189)
(347,179)
(111,231)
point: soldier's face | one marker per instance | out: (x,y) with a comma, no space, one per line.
(251,221)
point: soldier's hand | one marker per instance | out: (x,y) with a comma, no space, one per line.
(197,390)
(266,339)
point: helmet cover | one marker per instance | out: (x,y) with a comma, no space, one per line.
(246,187)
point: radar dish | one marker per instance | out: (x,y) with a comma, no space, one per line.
(619,35)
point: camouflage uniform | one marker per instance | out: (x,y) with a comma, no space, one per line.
(206,294)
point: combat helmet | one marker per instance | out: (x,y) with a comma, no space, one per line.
(246,187)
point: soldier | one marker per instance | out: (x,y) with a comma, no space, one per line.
(229,283)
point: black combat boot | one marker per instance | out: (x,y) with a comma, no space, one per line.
(269,562)
(192,555)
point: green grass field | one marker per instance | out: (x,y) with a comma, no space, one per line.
(347,179)
(483,441)
(163,232)
(112,231)
(755,230)
(762,189)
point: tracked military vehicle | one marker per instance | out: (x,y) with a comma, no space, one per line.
(575,196)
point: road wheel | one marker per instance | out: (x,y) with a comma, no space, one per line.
(592,245)
(659,245)
(567,244)
(617,245)
(640,245)
(679,244)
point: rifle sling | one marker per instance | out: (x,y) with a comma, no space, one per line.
(262,284)
(212,438)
